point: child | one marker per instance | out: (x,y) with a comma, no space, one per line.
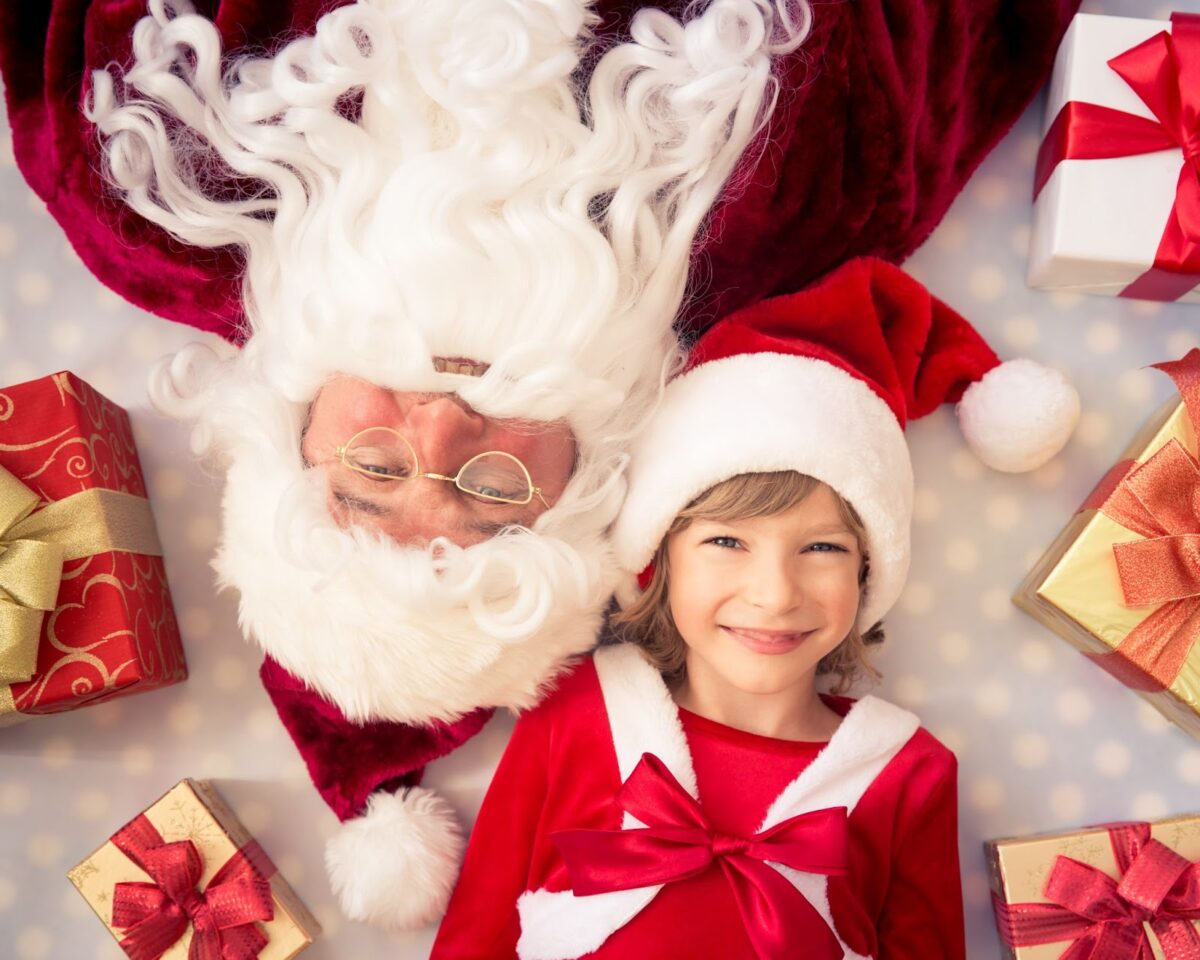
(690,793)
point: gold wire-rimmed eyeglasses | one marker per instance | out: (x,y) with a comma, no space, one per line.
(384,455)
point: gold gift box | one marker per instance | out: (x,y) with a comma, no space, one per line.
(1075,591)
(193,810)
(1018,868)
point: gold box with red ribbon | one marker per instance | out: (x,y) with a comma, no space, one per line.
(85,611)
(1122,581)
(185,879)
(1117,184)
(1121,891)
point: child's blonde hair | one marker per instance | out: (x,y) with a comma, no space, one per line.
(647,622)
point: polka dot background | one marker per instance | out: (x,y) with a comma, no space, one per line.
(1044,738)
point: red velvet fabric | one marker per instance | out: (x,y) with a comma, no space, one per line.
(900,901)
(349,761)
(884,114)
(873,321)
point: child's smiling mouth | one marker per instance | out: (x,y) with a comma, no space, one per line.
(768,641)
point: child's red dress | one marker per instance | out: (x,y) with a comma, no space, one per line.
(899,897)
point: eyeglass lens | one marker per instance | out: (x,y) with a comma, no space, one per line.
(381,455)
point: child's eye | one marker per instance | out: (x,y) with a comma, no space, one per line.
(824,547)
(729,543)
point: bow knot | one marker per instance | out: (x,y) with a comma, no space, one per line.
(679,842)
(223,917)
(728,845)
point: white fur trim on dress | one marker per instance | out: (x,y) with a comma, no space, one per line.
(396,865)
(562,926)
(758,413)
(642,716)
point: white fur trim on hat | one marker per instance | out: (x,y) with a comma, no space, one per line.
(1018,415)
(764,412)
(396,865)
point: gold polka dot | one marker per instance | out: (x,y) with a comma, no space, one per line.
(196,622)
(951,234)
(255,815)
(184,718)
(169,483)
(58,753)
(230,673)
(137,759)
(995,604)
(91,803)
(986,793)
(917,597)
(202,532)
(33,943)
(34,288)
(263,723)
(14,797)
(1067,802)
(43,849)
(8,238)
(291,867)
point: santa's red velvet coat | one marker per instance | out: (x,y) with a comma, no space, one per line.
(884,113)
(899,899)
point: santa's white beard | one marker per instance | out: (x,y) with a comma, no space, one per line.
(398,633)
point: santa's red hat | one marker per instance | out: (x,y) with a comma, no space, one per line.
(823,382)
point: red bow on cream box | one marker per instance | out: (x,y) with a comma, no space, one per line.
(184,879)
(1120,891)
(1117,191)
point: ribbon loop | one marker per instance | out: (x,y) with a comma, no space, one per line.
(679,842)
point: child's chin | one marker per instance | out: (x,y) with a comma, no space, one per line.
(771,678)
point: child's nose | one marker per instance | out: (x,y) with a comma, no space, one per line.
(773,588)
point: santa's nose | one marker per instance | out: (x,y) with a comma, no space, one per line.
(444,431)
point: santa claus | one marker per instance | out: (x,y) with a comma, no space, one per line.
(460,270)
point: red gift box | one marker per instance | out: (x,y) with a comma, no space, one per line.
(112,630)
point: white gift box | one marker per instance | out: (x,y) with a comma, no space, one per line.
(1097,224)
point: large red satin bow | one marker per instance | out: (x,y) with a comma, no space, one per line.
(1160,501)
(679,842)
(1164,72)
(155,915)
(1104,918)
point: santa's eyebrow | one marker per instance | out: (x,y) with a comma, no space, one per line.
(492,527)
(361,505)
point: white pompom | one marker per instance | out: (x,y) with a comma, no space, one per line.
(1019,415)
(396,865)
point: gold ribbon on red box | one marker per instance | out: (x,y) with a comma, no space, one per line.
(1164,72)
(34,544)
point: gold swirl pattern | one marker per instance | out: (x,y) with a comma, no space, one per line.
(113,631)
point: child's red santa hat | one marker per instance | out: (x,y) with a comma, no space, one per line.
(823,382)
